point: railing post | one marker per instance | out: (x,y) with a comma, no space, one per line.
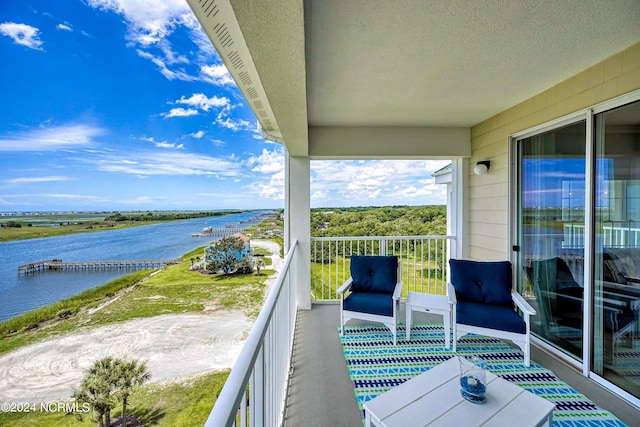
(257,391)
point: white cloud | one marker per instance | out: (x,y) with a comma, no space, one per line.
(217,74)
(202,102)
(180,112)
(377,182)
(163,144)
(270,164)
(274,189)
(171,57)
(164,70)
(320,195)
(198,134)
(70,196)
(35,180)
(150,25)
(22,34)
(64,27)
(149,21)
(168,163)
(267,161)
(140,200)
(235,125)
(169,145)
(217,142)
(39,196)
(51,138)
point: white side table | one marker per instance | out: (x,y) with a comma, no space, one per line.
(431,303)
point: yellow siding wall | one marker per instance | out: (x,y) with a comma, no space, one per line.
(489,194)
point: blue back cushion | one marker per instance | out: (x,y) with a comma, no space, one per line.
(374,273)
(481,281)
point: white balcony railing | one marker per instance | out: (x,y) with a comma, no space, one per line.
(424,261)
(263,364)
(613,235)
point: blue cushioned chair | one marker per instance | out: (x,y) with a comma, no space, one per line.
(375,289)
(484,298)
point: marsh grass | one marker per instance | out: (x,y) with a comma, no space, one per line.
(70,306)
(23,233)
(175,289)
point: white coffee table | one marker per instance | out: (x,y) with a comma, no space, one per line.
(433,398)
(431,303)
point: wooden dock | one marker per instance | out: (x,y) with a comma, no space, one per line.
(59,265)
(226,231)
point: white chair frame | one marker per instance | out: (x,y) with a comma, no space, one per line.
(390,322)
(521,340)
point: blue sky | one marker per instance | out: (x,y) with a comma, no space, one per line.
(125,105)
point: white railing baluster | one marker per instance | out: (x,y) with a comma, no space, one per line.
(426,252)
(422,269)
(337,284)
(322,267)
(415,267)
(263,363)
(258,391)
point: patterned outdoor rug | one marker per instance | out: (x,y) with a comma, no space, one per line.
(376,365)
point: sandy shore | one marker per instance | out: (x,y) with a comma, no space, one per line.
(174,346)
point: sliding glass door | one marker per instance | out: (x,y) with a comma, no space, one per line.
(616,355)
(577,238)
(551,248)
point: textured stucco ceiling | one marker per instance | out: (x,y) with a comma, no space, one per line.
(447,62)
(406,63)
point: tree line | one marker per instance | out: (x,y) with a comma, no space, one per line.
(379,221)
(167,216)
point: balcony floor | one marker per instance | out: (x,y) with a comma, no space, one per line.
(321,393)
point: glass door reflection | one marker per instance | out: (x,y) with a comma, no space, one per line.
(616,340)
(551,233)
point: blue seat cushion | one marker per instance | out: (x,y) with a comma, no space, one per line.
(482,281)
(490,316)
(374,273)
(369,302)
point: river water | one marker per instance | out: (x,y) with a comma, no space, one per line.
(20,293)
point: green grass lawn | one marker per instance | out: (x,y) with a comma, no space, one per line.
(416,276)
(174,289)
(187,403)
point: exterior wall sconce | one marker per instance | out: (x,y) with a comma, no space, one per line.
(482,167)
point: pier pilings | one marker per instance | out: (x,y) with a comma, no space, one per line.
(59,265)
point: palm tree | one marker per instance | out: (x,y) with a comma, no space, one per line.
(129,374)
(96,389)
(107,378)
(259,264)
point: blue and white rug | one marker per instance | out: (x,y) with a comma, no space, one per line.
(376,365)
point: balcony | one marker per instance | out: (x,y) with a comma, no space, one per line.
(293,366)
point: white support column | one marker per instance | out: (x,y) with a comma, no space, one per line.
(458,215)
(297,224)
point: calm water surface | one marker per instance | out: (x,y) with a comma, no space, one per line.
(21,293)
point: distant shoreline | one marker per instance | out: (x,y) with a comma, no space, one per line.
(14,228)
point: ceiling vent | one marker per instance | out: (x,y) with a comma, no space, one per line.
(219,23)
